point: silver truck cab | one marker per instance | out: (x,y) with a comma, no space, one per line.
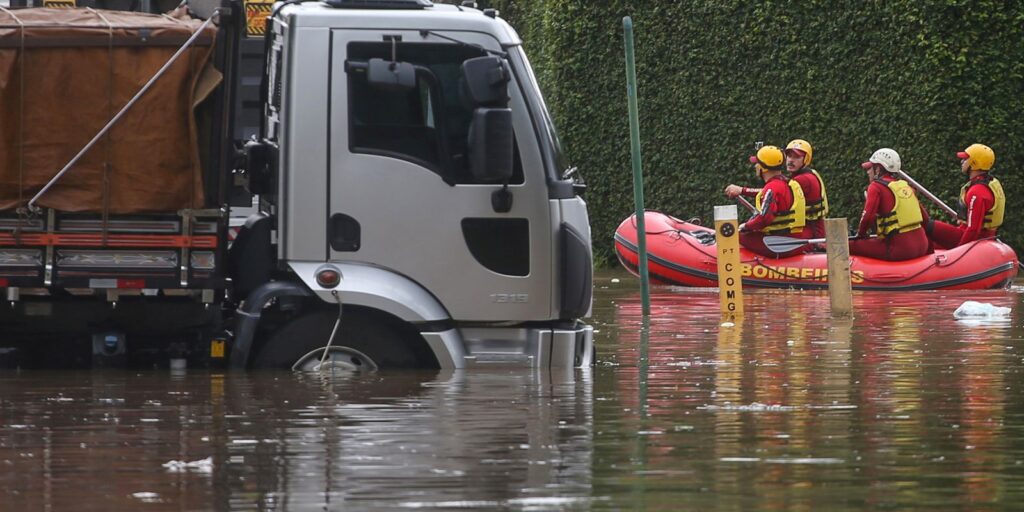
(375,203)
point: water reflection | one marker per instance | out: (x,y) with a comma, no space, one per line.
(901,406)
(279,441)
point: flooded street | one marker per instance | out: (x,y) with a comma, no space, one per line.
(902,407)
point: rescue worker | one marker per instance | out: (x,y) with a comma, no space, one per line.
(981,205)
(779,204)
(798,162)
(892,209)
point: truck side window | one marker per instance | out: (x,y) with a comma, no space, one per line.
(428,125)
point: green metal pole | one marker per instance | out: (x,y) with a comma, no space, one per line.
(638,171)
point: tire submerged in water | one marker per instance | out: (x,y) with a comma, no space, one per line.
(363,343)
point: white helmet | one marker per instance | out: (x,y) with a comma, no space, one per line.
(887,158)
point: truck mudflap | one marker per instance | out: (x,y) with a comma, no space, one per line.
(525,347)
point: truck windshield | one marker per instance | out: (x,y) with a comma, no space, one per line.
(427,125)
(557,156)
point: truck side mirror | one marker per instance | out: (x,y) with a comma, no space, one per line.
(484,88)
(259,162)
(485,81)
(490,145)
(391,75)
(202,9)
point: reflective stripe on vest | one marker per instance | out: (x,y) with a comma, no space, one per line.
(789,221)
(905,215)
(993,217)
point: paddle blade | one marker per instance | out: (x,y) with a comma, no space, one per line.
(781,244)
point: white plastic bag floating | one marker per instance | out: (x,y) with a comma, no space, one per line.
(180,466)
(972,309)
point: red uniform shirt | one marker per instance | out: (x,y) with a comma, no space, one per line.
(776,198)
(979,200)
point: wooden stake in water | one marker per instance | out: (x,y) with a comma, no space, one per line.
(730,284)
(638,172)
(837,248)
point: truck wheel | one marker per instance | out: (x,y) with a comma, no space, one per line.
(362,344)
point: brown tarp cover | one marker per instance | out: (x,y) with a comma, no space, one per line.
(64,73)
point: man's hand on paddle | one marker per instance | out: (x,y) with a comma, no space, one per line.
(733,191)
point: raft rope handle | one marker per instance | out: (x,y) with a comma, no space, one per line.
(678,233)
(758,261)
(935,263)
(633,222)
(969,249)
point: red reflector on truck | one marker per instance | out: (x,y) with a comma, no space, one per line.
(328,276)
(131,283)
(3,281)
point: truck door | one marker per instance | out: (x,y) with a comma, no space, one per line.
(401,193)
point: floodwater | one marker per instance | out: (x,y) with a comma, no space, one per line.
(902,407)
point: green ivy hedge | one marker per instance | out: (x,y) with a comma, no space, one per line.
(925,77)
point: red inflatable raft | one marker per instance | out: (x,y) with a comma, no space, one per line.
(684,254)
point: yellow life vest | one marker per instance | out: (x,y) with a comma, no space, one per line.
(993,217)
(789,221)
(905,216)
(817,209)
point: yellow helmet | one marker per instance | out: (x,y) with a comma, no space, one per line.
(979,156)
(802,146)
(770,158)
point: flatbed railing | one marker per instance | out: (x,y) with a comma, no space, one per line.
(69,250)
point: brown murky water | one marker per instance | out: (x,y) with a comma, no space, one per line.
(903,407)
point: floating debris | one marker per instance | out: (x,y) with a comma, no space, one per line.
(754,407)
(199,466)
(147,497)
(972,309)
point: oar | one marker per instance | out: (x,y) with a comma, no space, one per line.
(920,188)
(746,203)
(781,244)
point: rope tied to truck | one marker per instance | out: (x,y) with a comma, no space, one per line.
(107,146)
(334,332)
(194,76)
